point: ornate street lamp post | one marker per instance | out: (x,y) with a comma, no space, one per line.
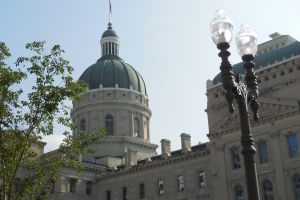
(243,88)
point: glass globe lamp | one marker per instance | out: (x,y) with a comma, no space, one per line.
(246,41)
(221,28)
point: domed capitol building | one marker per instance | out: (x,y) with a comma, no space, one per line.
(127,166)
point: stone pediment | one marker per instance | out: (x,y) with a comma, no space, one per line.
(269,109)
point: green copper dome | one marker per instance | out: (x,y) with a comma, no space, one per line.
(109,32)
(113,72)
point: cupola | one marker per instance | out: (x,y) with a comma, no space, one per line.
(110,42)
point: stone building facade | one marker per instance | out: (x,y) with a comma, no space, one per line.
(127,167)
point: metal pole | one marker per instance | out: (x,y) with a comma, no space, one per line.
(244,91)
(248,150)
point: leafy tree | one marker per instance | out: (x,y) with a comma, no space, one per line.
(26,117)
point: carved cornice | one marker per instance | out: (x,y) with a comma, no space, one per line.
(93,105)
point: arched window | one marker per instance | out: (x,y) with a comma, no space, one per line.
(296,183)
(239,193)
(109,125)
(136,127)
(268,190)
(83,125)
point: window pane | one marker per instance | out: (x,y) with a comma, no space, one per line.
(52,182)
(263,152)
(236,163)
(136,128)
(17,185)
(108,195)
(201,178)
(239,193)
(292,145)
(109,125)
(297,187)
(72,184)
(124,193)
(142,190)
(180,183)
(161,186)
(82,125)
(268,190)
(88,188)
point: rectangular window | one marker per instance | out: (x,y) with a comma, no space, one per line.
(113,48)
(297,186)
(88,187)
(17,185)
(201,178)
(161,188)
(142,191)
(263,152)
(106,49)
(293,145)
(52,182)
(236,162)
(180,183)
(109,48)
(108,195)
(124,193)
(72,184)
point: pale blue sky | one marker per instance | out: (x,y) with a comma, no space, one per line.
(167,41)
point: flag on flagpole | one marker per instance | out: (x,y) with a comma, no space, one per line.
(110,11)
(109,6)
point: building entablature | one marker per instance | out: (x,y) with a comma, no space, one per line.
(274,56)
(129,140)
(268,77)
(150,163)
(92,167)
(115,95)
(263,120)
(93,106)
